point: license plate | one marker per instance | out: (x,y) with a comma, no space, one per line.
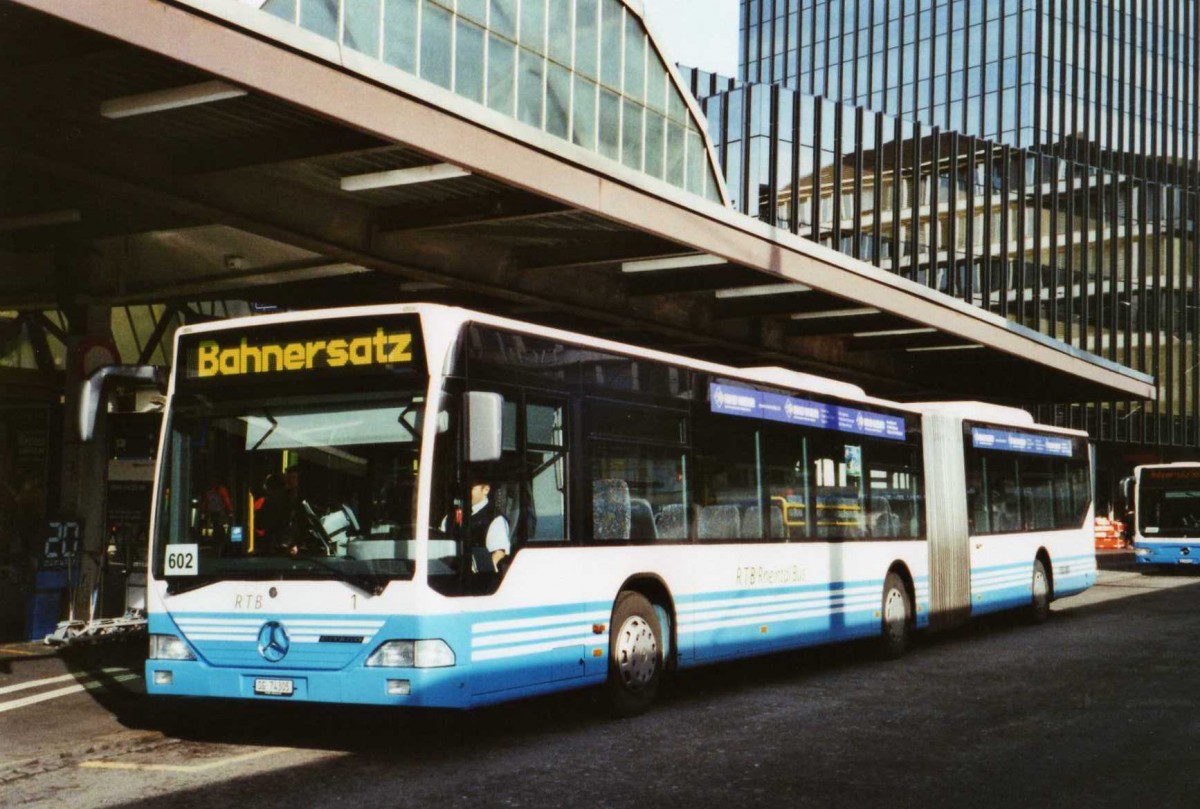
(274,688)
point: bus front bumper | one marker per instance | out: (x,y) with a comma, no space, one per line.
(442,687)
(1166,553)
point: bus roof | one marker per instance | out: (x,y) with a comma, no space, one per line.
(770,375)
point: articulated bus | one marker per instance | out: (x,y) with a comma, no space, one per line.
(424,506)
(1165,501)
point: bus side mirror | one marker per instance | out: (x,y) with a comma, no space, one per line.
(485,426)
(1127,492)
(91,397)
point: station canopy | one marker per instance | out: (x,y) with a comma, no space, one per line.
(538,159)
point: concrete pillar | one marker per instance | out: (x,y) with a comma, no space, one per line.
(85,465)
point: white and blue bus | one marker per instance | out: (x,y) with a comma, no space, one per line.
(1165,501)
(425,506)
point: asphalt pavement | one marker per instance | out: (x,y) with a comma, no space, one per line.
(1095,708)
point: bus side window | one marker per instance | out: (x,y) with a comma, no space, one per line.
(545,518)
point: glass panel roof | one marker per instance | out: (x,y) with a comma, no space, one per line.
(584,71)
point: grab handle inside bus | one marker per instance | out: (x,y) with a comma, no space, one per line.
(485,419)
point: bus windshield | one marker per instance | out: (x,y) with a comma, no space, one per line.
(1169,509)
(320,489)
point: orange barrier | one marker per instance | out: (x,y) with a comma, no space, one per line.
(1110,534)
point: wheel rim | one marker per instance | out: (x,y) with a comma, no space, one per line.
(636,652)
(895,614)
(1041,588)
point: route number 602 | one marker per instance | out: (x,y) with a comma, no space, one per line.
(181,560)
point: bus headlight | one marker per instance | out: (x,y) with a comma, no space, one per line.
(169,647)
(417,654)
(1141,551)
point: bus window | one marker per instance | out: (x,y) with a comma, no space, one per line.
(787,477)
(1039,487)
(640,450)
(727,481)
(895,505)
(838,490)
(653,477)
(546,465)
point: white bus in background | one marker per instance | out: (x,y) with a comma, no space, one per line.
(1165,503)
(318,535)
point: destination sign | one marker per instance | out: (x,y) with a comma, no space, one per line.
(303,348)
(1184,473)
(1028,443)
(735,400)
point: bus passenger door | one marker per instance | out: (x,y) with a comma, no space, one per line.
(529,633)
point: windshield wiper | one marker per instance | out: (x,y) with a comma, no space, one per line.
(267,434)
(369,583)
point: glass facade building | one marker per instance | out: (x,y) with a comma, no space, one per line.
(862,126)
(1087,78)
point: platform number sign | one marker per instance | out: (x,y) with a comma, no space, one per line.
(61,546)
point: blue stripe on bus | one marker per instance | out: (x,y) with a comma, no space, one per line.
(1000,587)
(736,623)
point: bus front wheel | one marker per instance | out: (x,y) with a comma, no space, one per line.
(896,618)
(635,660)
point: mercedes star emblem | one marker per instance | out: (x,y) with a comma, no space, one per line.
(273,642)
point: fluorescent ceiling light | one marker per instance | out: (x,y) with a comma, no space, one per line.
(388,179)
(174,98)
(674,263)
(944,348)
(38,220)
(760,290)
(835,313)
(893,332)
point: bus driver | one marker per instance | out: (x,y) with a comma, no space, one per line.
(490,534)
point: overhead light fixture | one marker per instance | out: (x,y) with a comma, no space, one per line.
(835,313)
(966,347)
(673,263)
(40,220)
(760,290)
(893,332)
(160,100)
(394,177)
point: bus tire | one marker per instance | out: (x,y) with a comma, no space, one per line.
(1039,606)
(896,618)
(635,655)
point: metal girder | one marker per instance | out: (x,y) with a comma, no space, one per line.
(288,147)
(904,342)
(684,282)
(490,210)
(848,327)
(606,248)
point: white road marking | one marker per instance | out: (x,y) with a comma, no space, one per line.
(8,689)
(14,704)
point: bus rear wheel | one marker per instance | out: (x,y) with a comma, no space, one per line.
(895,618)
(1039,607)
(635,659)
